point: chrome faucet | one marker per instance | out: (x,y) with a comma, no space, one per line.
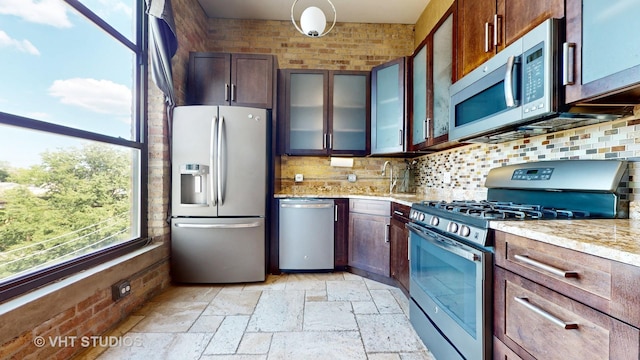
(392,181)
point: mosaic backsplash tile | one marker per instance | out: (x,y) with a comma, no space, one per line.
(459,173)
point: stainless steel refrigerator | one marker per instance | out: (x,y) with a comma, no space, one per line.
(219,190)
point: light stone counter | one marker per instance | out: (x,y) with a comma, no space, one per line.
(404,199)
(614,239)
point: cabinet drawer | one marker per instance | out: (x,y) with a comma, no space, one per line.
(537,322)
(371,207)
(606,285)
(400,212)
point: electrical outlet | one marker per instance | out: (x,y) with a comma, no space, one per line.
(447,178)
(351,177)
(299,178)
(120,290)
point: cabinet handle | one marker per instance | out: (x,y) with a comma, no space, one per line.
(487,43)
(398,212)
(387,235)
(426,128)
(226,92)
(401,138)
(233,92)
(568,63)
(563,324)
(497,26)
(409,248)
(552,269)
(335,213)
(324,141)
(330,141)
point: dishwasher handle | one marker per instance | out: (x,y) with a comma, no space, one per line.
(307,206)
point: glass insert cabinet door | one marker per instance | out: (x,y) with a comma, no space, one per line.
(387,116)
(420,123)
(442,71)
(349,112)
(307,111)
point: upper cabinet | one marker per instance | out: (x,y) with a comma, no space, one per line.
(487,26)
(431,74)
(388,108)
(326,112)
(602,53)
(231,79)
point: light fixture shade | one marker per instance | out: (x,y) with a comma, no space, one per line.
(313,21)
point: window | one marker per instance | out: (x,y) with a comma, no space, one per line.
(72,152)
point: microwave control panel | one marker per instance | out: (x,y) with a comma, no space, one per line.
(533,79)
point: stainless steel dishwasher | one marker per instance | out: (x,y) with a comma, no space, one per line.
(306,234)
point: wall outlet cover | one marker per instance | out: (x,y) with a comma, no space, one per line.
(351,177)
(299,178)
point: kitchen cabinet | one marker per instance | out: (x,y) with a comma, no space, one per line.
(341,233)
(399,245)
(326,112)
(602,53)
(231,79)
(556,303)
(388,108)
(487,26)
(431,75)
(369,248)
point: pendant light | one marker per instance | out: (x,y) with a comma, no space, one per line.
(313,21)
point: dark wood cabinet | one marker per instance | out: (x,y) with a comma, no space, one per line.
(369,248)
(326,112)
(399,242)
(487,26)
(592,39)
(231,79)
(341,233)
(555,303)
(431,73)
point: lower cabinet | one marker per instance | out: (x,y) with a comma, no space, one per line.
(555,303)
(399,241)
(369,247)
(341,233)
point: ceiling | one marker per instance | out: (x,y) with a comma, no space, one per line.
(360,11)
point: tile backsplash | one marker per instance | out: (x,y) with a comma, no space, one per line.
(459,173)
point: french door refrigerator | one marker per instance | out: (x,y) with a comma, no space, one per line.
(219,190)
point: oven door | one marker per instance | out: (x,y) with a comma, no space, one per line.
(451,283)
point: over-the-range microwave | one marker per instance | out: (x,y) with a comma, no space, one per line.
(518,92)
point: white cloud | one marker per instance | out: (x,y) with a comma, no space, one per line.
(21,45)
(47,12)
(102,96)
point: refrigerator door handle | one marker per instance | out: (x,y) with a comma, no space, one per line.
(221,163)
(218,226)
(212,151)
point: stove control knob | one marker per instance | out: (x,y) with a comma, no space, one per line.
(464,231)
(452,227)
(421,217)
(434,221)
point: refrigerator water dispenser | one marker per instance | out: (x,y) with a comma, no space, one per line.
(193,184)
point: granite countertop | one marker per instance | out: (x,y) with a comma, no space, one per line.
(404,199)
(613,239)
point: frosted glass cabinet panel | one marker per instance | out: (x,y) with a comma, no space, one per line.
(603,44)
(326,112)
(387,115)
(307,111)
(349,112)
(419,77)
(442,67)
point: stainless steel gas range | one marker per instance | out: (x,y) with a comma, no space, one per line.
(451,244)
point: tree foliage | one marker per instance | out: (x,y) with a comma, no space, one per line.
(84,199)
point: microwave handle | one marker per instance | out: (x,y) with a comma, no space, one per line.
(508,83)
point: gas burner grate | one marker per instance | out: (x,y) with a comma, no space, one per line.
(505,210)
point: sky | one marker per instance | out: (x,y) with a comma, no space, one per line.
(58,67)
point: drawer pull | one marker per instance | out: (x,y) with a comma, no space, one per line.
(554,270)
(563,324)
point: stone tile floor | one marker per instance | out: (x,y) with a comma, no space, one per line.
(290,316)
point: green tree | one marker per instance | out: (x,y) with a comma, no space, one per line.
(84,199)
(4,171)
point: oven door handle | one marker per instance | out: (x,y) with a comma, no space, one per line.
(439,241)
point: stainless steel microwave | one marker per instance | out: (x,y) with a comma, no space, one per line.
(517,93)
